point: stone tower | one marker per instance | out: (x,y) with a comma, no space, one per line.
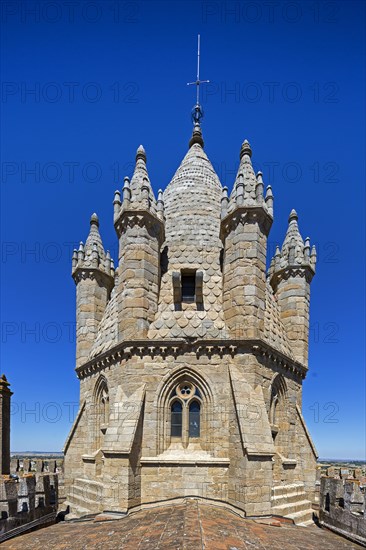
(5,396)
(190,355)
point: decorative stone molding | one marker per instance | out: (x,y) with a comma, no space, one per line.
(209,461)
(141,218)
(82,274)
(246,214)
(302,271)
(165,348)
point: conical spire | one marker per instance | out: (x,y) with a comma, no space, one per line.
(140,190)
(192,200)
(94,237)
(293,239)
(92,254)
(294,251)
(248,189)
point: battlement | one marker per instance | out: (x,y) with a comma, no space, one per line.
(345,473)
(343,507)
(27,500)
(36,464)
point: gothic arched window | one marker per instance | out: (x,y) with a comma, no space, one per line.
(104,406)
(185,412)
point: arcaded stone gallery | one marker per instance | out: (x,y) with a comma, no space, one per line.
(190,354)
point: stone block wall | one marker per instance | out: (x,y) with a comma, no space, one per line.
(234,459)
(244,282)
(293,295)
(92,295)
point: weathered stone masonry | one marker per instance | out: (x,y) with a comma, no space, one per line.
(190,356)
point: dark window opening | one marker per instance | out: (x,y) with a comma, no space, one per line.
(327,503)
(188,287)
(176,419)
(194,419)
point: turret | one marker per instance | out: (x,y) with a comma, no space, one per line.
(93,273)
(139,223)
(245,225)
(290,275)
(5,395)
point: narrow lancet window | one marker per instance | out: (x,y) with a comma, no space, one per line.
(194,419)
(176,419)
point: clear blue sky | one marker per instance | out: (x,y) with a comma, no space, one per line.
(107,76)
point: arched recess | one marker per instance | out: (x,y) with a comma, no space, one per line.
(278,402)
(279,420)
(189,389)
(101,409)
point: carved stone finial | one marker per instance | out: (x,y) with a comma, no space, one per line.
(293,216)
(141,154)
(94,220)
(196,136)
(245,149)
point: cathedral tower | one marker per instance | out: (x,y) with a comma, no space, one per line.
(190,356)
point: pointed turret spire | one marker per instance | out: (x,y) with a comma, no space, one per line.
(293,245)
(294,251)
(138,192)
(94,236)
(92,254)
(248,188)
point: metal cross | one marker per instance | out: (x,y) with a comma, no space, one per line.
(197,110)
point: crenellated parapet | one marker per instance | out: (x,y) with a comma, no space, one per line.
(290,274)
(29,499)
(343,508)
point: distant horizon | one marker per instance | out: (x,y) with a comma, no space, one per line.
(319,459)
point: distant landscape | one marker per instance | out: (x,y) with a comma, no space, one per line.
(330,461)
